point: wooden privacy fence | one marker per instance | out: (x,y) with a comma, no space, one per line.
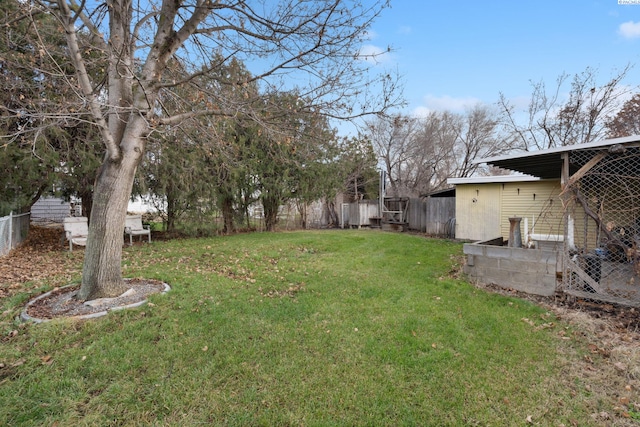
(434,216)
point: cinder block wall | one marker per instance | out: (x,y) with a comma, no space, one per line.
(528,270)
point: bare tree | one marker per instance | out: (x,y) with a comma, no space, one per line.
(420,154)
(393,139)
(555,120)
(314,43)
(480,137)
(434,151)
(627,121)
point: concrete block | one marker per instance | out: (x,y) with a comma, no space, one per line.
(525,254)
(541,284)
(472,249)
(559,261)
(485,262)
(549,257)
(498,252)
(527,270)
(524,267)
(498,276)
(549,281)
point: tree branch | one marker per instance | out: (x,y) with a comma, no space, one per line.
(84,82)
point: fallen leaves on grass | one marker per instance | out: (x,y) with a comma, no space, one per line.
(291,291)
(613,364)
(40,257)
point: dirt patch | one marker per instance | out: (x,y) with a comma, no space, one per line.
(61,302)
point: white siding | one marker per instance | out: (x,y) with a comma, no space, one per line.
(52,209)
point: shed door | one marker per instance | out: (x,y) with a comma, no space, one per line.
(478,211)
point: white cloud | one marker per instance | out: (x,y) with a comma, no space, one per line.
(374,54)
(629,30)
(370,35)
(445,103)
(520,103)
(404,30)
(421,112)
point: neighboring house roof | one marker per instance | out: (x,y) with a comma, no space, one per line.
(547,164)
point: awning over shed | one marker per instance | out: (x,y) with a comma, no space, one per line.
(547,164)
(448,192)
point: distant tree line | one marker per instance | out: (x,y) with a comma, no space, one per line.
(420,153)
(277,149)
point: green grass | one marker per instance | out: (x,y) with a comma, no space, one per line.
(303,328)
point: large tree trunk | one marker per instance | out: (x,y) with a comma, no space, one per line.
(270,206)
(101,273)
(303,211)
(172,211)
(332,216)
(227,214)
(86,201)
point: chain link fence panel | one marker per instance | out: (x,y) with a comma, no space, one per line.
(13,231)
(602,202)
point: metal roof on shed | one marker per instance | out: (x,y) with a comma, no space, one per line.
(492,179)
(547,164)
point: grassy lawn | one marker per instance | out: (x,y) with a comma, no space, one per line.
(303,328)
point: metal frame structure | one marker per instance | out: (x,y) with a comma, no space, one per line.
(600,196)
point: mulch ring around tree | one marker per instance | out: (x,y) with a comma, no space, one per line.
(61,302)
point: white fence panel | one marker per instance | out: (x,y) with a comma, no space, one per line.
(54,209)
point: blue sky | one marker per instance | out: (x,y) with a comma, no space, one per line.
(453,54)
